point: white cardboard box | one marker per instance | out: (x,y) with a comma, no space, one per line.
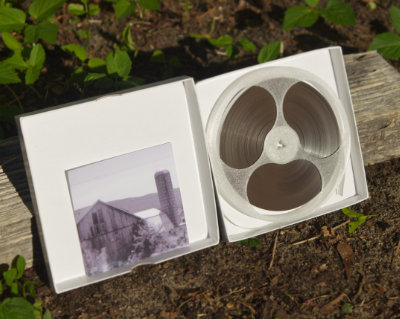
(61,146)
(328,65)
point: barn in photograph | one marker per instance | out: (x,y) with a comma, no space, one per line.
(127,230)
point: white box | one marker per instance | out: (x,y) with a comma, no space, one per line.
(328,65)
(59,142)
(83,147)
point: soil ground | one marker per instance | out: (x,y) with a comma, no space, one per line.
(280,279)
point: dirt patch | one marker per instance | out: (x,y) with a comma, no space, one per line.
(311,279)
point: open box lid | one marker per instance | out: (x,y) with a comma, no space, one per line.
(72,145)
(327,65)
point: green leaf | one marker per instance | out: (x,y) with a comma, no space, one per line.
(11,42)
(8,74)
(31,75)
(90,77)
(339,12)
(150,4)
(347,308)
(196,35)
(14,289)
(119,63)
(9,276)
(29,286)
(299,16)
(37,56)
(124,8)
(76,9)
(127,38)
(129,82)
(16,61)
(96,63)
(351,213)
(251,242)
(20,265)
(387,44)
(247,45)
(85,1)
(79,70)
(11,19)
(16,308)
(222,41)
(312,3)
(158,56)
(174,62)
(47,314)
(355,224)
(30,33)
(7,114)
(231,51)
(269,52)
(94,9)
(395,15)
(83,34)
(43,9)
(38,305)
(47,31)
(77,50)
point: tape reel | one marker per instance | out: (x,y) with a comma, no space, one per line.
(279,142)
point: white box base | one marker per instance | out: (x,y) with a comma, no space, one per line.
(328,65)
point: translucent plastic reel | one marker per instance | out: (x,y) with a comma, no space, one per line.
(279,143)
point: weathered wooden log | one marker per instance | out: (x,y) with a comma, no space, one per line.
(375,89)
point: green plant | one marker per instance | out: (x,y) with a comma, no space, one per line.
(388,43)
(251,242)
(336,12)
(17,295)
(187,6)
(169,64)
(269,52)
(113,72)
(226,42)
(125,8)
(83,9)
(127,41)
(347,308)
(28,56)
(360,218)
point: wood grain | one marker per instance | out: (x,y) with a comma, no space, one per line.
(375,89)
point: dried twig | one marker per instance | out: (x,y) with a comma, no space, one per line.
(395,254)
(16,98)
(342,224)
(306,240)
(232,292)
(329,307)
(359,291)
(316,237)
(274,250)
(253,311)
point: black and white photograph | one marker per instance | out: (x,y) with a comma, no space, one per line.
(127,208)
